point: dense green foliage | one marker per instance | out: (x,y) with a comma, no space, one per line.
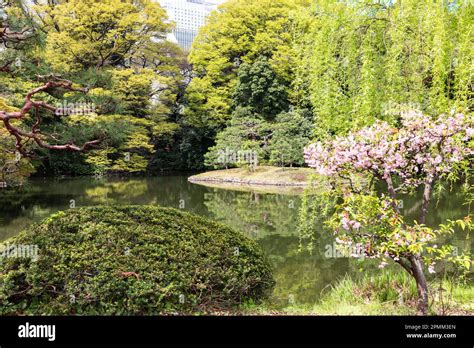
(262,122)
(342,64)
(131,260)
(117,51)
(243,66)
(264,79)
(237,36)
(262,76)
(361,61)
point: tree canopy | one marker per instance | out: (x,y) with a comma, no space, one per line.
(115,51)
(239,33)
(295,70)
(362,61)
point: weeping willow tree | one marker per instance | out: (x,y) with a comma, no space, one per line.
(367,60)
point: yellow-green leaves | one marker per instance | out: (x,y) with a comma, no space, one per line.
(362,62)
(240,32)
(133,90)
(14,169)
(87,33)
(132,153)
(134,164)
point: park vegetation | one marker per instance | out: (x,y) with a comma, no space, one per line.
(375,95)
(266,77)
(422,153)
(132,261)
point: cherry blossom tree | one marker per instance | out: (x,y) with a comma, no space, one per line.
(421,153)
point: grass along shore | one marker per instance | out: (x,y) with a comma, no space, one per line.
(261,176)
(389,293)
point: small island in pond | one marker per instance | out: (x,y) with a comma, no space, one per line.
(261,176)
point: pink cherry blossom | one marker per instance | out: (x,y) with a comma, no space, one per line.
(422,149)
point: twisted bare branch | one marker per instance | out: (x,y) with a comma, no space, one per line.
(35,135)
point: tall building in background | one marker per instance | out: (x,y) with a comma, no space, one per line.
(189,16)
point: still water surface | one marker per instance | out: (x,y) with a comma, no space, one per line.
(270,219)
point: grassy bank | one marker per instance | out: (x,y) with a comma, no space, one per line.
(385,294)
(261,176)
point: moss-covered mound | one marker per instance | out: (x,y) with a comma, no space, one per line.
(131,260)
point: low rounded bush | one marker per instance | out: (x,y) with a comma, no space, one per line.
(131,261)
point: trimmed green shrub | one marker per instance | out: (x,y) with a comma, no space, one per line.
(131,261)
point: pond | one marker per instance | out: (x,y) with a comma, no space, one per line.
(270,219)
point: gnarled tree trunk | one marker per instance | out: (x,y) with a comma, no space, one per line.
(421,284)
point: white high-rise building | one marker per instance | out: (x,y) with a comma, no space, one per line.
(189,15)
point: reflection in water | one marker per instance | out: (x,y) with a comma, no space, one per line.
(270,219)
